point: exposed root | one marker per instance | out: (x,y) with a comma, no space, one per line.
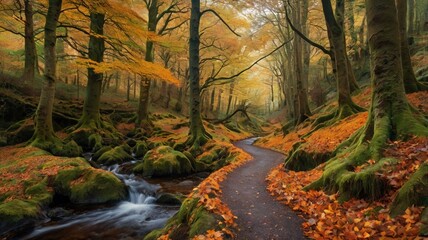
(301,160)
(92,134)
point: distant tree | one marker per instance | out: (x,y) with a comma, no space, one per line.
(410,83)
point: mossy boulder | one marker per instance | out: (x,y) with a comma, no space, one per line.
(191,220)
(89,186)
(140,149)
(118,154)
(168,199)
(100,152)
(70,149)
(163,161)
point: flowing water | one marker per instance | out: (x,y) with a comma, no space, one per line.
(131,219)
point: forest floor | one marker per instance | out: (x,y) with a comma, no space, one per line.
(327,218)
(236,194)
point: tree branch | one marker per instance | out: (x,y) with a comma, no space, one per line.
(210,81)
(319,46)
(221,19)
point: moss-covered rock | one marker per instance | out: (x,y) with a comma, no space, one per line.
(168,199)
(163,161)
(100,152)
(191,220)
(140,149)
(118,154)
(89,186)
(70,149)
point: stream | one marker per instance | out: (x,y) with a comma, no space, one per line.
(131,219)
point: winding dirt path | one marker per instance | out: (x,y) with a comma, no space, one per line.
(260,216)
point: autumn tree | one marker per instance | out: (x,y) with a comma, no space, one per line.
(156,15)
(410,83)
(390,118)
(12,21)
(44,136)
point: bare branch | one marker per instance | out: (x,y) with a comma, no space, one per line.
(320,47)
(221,19)
(211,81)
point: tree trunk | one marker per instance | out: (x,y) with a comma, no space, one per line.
(44,133)
(91,107)
(143,114)
(212,101)
(197,134)
(229,103)
(30,44)
(410,83)
(390,116)
(143,106)
(337,39)
(301,108)
(411,19)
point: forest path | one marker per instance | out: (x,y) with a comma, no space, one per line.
(260,216)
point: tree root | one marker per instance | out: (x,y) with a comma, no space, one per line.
(93,134)
(301,160)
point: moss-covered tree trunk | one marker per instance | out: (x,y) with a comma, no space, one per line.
(44,136)
(410,83)
(411,18)
(344,72)
(30,44)
(91,107)
(198,136)
(144,101)
(390,115)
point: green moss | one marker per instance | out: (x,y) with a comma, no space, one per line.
(164,161)
(339,176)
(100,152)
(89,186)
(191,220)
(95,142)
(202,222)
(413,192)
(153,235)
(17,210)
(140,149)
(301,160)
(71,149)
(116,155)
(40,193)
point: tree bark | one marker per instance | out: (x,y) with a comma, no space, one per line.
(229,103)
(337,39)
(143,113)
(197,134)
(411,19)
(410,83)
(30,44)
(91,107)
(44,132)
(390,116)
(301,106)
